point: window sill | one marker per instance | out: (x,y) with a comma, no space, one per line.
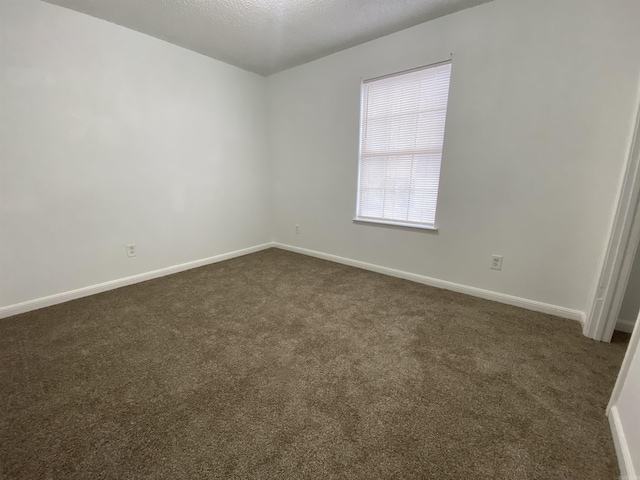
(395,224)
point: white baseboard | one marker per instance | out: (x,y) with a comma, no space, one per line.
(625,325)
(627,470)
(42,302)
(48,301)
(456,287)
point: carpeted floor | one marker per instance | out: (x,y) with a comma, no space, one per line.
(281,366)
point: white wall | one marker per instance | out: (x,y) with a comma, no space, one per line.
(540,112)
(631,303)
(110,137)
(624,413)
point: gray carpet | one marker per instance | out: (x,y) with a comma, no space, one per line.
(281,366)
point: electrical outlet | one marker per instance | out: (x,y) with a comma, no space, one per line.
(297,229)
(496,262)
(131,250)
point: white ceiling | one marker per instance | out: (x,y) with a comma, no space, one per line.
(267,36)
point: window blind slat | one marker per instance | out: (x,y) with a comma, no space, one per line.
(403,123)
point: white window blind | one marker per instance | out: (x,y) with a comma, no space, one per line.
(402,132)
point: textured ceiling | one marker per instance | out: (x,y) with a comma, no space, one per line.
(267,36)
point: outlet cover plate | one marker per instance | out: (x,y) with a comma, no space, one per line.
(131,250)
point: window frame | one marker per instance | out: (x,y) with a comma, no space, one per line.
(392,222)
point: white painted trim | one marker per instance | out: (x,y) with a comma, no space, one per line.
(48,301)
(625,325)
(606,300)
(375,221)
(626,365)
(627,471)
(434,282)
(42,302)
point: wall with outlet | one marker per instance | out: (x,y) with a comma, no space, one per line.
(110,137)
(540,112)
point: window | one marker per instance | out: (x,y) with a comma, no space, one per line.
(402,132)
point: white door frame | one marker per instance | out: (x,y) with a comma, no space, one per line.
(615,422)
(625,236)
(626,364)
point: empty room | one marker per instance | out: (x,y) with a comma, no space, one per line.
(319,239)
